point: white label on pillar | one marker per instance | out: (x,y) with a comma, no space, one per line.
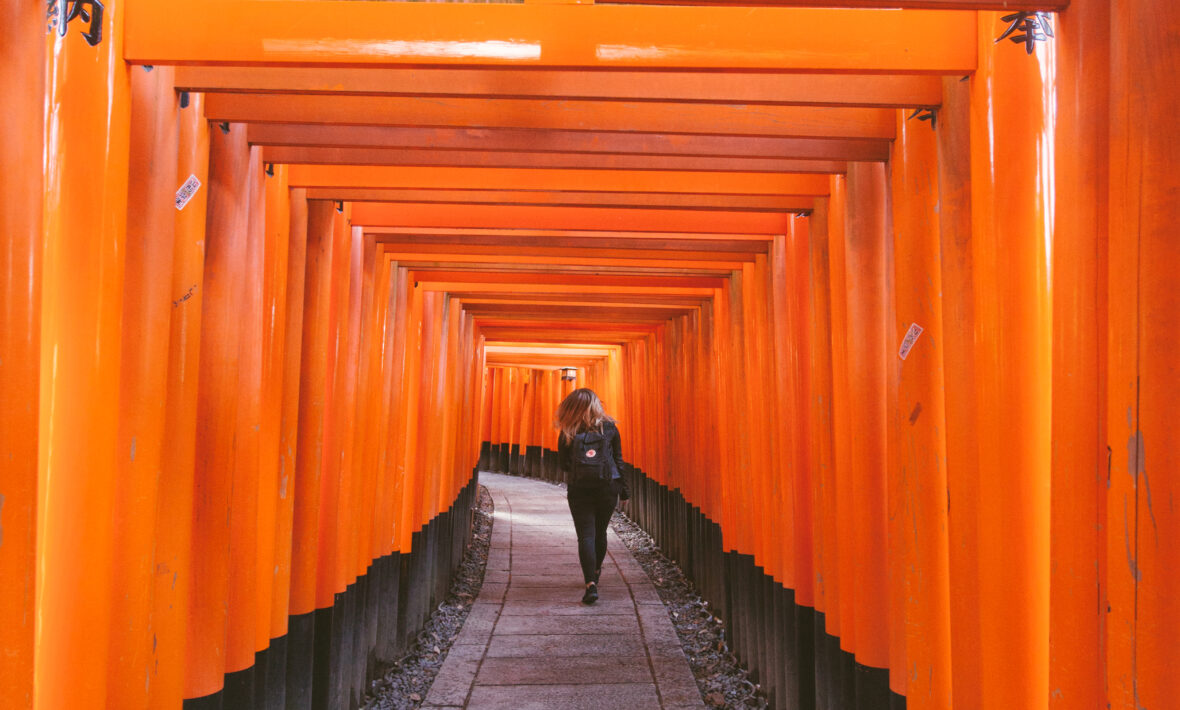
(911,337)
(186,191)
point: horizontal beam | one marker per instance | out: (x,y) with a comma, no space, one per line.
(663,239)
(657,200)
(370,214)
(386,177)
(867,90)
(996,5)
(556,243)
(565,264)
(337,33)
(573,161)
(710,119)
(539,140)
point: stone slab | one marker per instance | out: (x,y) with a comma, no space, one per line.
(615,696)
(555,645)
(564,671)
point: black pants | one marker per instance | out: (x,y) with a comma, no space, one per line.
(591,503)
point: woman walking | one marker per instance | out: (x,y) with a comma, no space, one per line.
(589,450)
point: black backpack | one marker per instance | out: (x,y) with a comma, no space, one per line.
(590,456)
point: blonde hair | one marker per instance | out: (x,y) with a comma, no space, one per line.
(580,411)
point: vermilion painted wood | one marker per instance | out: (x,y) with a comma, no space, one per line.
(292,351)
(820,412)
(865,268)
(480,159)
(841,614)
(229,32)
(147,307)
(312,406)
(244,504)
(478,240)
(656,200)
(87,106)
(1143,387)
(650,117)
(959,322)
(585,218)
(1005,5)
(389,177)
(1011,208)
(918,488)
(274,537)
(561,141)
(227,222)
(173,543)
(1078,572)
(22,90)
(882,90)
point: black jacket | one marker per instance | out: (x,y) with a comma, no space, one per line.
(616,447)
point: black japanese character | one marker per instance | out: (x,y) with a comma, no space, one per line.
(59,14)
(1032,27)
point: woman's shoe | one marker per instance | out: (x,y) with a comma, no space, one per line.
(591,594)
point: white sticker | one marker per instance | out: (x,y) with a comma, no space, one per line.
(186,191)
(911,337)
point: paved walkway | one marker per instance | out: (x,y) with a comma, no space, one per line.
(529,642)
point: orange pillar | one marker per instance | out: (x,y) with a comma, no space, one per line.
(22,91)
(962,439)
(147,307)
(175,500)
(217,398)
(288,443)
(865,266)
(1012,137)
(87,109)
(271,491)
(1144,375)
(843,625)
(1078,566)
(924,626)
(309,446)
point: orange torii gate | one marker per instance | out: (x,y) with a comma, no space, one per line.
(238,416)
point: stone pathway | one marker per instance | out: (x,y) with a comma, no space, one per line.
(530,644)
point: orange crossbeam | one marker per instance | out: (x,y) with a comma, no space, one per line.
(714,119)
(310,33)
(758,203)
(478,277)
(501,159)
(996,5)
(886,91)
(544,217)
(537,140)
(312,176)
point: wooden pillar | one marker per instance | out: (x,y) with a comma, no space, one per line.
(962,439)
(1012,137)
(22,91)
(313,381)
(924,624)
(865,266)
(1144,368)
(1078,557)
(217,411)
(147,307)
(88,107)
(173,535)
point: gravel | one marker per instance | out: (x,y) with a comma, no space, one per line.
(720,677)
(404,685)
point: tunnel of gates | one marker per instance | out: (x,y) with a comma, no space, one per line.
(884,304)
